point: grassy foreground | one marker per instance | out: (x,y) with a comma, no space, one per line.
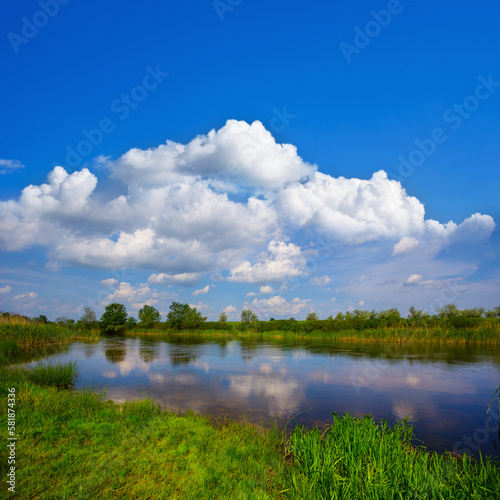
(75,444)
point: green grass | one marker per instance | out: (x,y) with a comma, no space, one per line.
(17,334)
(43,375)
(78,445)
(486,332)
(358,458)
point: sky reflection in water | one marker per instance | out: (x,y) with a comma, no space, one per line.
(444,390)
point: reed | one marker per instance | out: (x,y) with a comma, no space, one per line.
(358,458)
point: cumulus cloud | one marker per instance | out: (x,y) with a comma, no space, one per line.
(266,289)
(7,166)
(405,245)
(281,261)
(229,203)
(238,154)
(6,289)
(30,295)
(230,311)
(181,279)
(202,290)
(278,306)
(137,295)
(414,278)
(320,280)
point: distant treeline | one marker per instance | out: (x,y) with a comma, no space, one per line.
(185,317)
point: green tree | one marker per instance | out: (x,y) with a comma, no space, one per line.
(182,316)
(88,316)
(247,316)
(113,318)
(449,311)
(42,319)
(148,316)
(223,318)
(131,323)
(493,313)
(312,316)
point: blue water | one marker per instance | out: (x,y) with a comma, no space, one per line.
(443,390)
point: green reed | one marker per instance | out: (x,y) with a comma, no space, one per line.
(358,458)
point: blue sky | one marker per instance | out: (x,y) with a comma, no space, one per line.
(319,158)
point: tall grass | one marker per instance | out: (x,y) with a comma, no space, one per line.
(485,332)
(358,458)
(17,333)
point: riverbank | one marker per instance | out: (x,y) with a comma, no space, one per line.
(483,332)
(76,444)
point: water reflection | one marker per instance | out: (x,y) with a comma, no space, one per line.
(444,390)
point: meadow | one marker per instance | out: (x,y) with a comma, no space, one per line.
(77,444)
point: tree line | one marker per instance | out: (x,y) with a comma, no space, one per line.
(182,316)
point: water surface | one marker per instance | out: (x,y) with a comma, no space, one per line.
(443,390)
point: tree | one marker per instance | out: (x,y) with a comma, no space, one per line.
(88,316)
(42,319)
(183,316)
(493,313)
(223,318)
(247,316)
(131,322)
(114,318)
(148,316)
(62,320)
(449,311)
(312,316)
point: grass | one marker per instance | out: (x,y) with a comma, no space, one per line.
(18,333)
(78,445)
(358,458)
(485,332)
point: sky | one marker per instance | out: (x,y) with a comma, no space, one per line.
(276,156)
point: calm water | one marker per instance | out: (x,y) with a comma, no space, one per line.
(444,391)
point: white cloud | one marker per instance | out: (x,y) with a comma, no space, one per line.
(212,206)
(414,278)
(405,245)
(278,306)
(251,294)
(6,289)
(181,279)
(110,283)
(137,295)
(237,154)
(266,289)
(320,280)
(30,295)
(231,312)
(202,290)
(280,262)
(7,166)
